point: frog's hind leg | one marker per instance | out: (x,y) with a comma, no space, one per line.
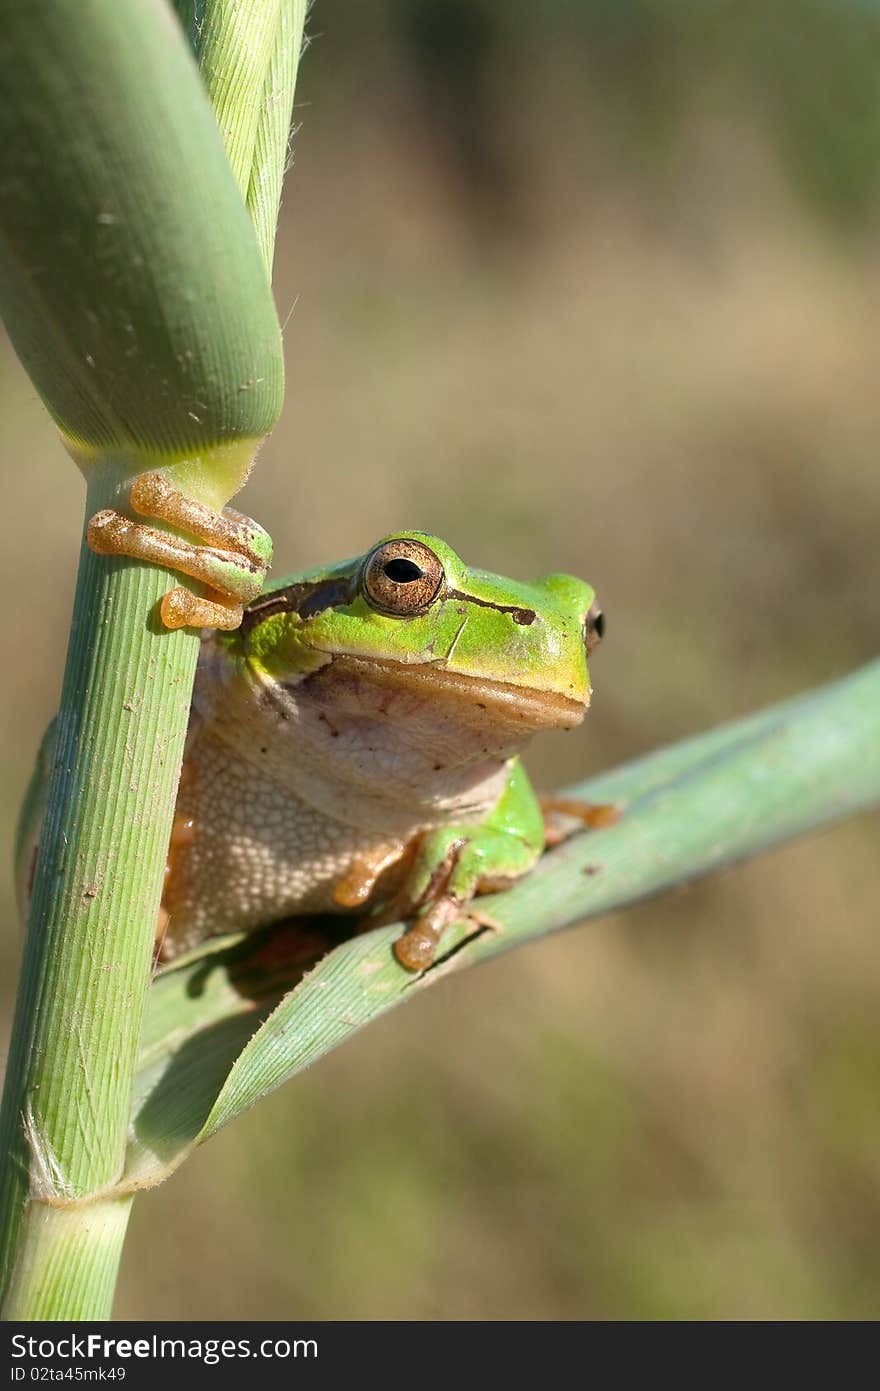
(230,556)
(592,816)
(182,836)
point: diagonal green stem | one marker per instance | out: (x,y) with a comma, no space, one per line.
(689,809)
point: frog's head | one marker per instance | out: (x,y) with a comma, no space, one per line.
(414,617)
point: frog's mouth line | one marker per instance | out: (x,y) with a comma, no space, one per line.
(521,705)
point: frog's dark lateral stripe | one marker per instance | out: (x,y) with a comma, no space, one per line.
(521,616)
(307,598)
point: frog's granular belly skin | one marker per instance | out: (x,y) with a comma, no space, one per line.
(256,852)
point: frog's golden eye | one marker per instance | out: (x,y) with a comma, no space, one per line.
(594,629)
(402,578)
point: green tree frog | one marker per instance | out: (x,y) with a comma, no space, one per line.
(353,745)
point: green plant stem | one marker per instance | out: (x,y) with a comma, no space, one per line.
(233,41)
(68,1261)
(134,292)
(122,721)
(251,86)
(270,141)
(130,281)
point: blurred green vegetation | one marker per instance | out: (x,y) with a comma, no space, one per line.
(591,286)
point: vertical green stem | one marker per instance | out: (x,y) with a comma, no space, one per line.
(121,727)
(137,298)
(67,1261)
(273,127)
(233,42)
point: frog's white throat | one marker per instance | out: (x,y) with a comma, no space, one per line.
(362,739)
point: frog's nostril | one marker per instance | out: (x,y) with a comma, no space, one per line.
(403,571)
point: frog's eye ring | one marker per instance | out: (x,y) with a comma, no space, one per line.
(402,578)
(594,629)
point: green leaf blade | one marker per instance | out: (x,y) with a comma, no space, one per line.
(688,810)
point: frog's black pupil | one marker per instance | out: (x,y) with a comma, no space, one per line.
(403,571)
(598,625)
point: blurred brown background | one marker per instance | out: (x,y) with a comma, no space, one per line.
(588,286)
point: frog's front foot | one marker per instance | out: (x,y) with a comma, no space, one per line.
(230,556)
(452,865)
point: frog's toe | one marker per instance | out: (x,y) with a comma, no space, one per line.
(565,815)
(180,608)
(417,948)
(230,555)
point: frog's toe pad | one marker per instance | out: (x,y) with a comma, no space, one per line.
(182,609)
(417,948)
(415,951)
